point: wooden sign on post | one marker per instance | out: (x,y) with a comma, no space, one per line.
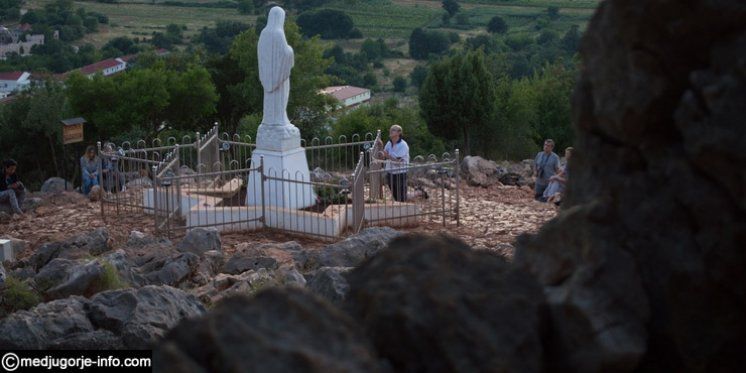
(72,130)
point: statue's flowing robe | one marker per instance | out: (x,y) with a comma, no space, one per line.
(275,62)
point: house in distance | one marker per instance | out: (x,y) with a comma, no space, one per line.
(347,95)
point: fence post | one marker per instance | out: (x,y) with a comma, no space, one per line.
(155,197)
(375,177)
(198,144)
(457,167)
(100,182)
(177,171)
(261,182)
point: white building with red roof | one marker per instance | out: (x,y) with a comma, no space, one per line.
(347,95)
(13,81)
(106,67)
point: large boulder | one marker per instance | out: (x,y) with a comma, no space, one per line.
(199,240)
(249,260)
(64,277)
(644,267)
(56,185)
(88,244)
(141,316)
(171,270)
(278,330)
(36,328)
(479,172)
(349,252)
(225,285)
(431,303)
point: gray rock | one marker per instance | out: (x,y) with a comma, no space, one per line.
(299,331)
(56,185)
(170,271)
(479,172)
(53,274)
(347,253)
(92,243)
(330,283)
(289,276)
(82,279)
(23,273)
(139,239)
(644,265)
(36,328)
(121,262)
(208,266)
(141,316)
(240,262)
(2,274)
(95,340)
(142,182)
(199,240)
(432,303)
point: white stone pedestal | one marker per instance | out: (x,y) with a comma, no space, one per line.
(285,159)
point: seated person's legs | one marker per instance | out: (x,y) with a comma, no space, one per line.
(11,198)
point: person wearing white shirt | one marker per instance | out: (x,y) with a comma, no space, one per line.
(396,153)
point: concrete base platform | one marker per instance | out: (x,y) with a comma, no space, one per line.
(200,211)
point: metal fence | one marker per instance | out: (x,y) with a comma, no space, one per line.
(214,181)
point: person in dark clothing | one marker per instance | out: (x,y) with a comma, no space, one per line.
(12,190)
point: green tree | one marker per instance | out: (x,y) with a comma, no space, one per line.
(400,84)
(451,7)
(328,23)
(308,76)
(380,116)
(246,6)
(553,12)
(571,40)
(35,114)
(497,25)
(423,43)
(417,76)
(457,98)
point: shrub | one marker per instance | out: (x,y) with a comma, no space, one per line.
(17,295)
(497,25)
(110,279)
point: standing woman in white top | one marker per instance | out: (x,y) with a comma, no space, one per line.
(396,153)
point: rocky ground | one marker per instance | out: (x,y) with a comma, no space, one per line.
(491,218)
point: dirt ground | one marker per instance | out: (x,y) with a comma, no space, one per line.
(491,218)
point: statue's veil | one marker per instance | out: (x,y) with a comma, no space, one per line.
(275,55)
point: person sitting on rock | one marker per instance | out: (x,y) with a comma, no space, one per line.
(557,183)
(12,190)
(546,165)
(90,166)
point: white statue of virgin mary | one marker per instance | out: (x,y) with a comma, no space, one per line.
(275,62)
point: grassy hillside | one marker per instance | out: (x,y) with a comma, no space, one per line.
(138,20)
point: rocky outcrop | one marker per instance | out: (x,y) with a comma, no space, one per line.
(330,283)
(249,260)
(479,172)
(127,318)
(140,316)
(434,304)
(199,240)
(62,278)
(349,252)
(56,185)
(278,330)
(643,268)
(92,243)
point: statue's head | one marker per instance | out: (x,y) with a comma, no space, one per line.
(276,18)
